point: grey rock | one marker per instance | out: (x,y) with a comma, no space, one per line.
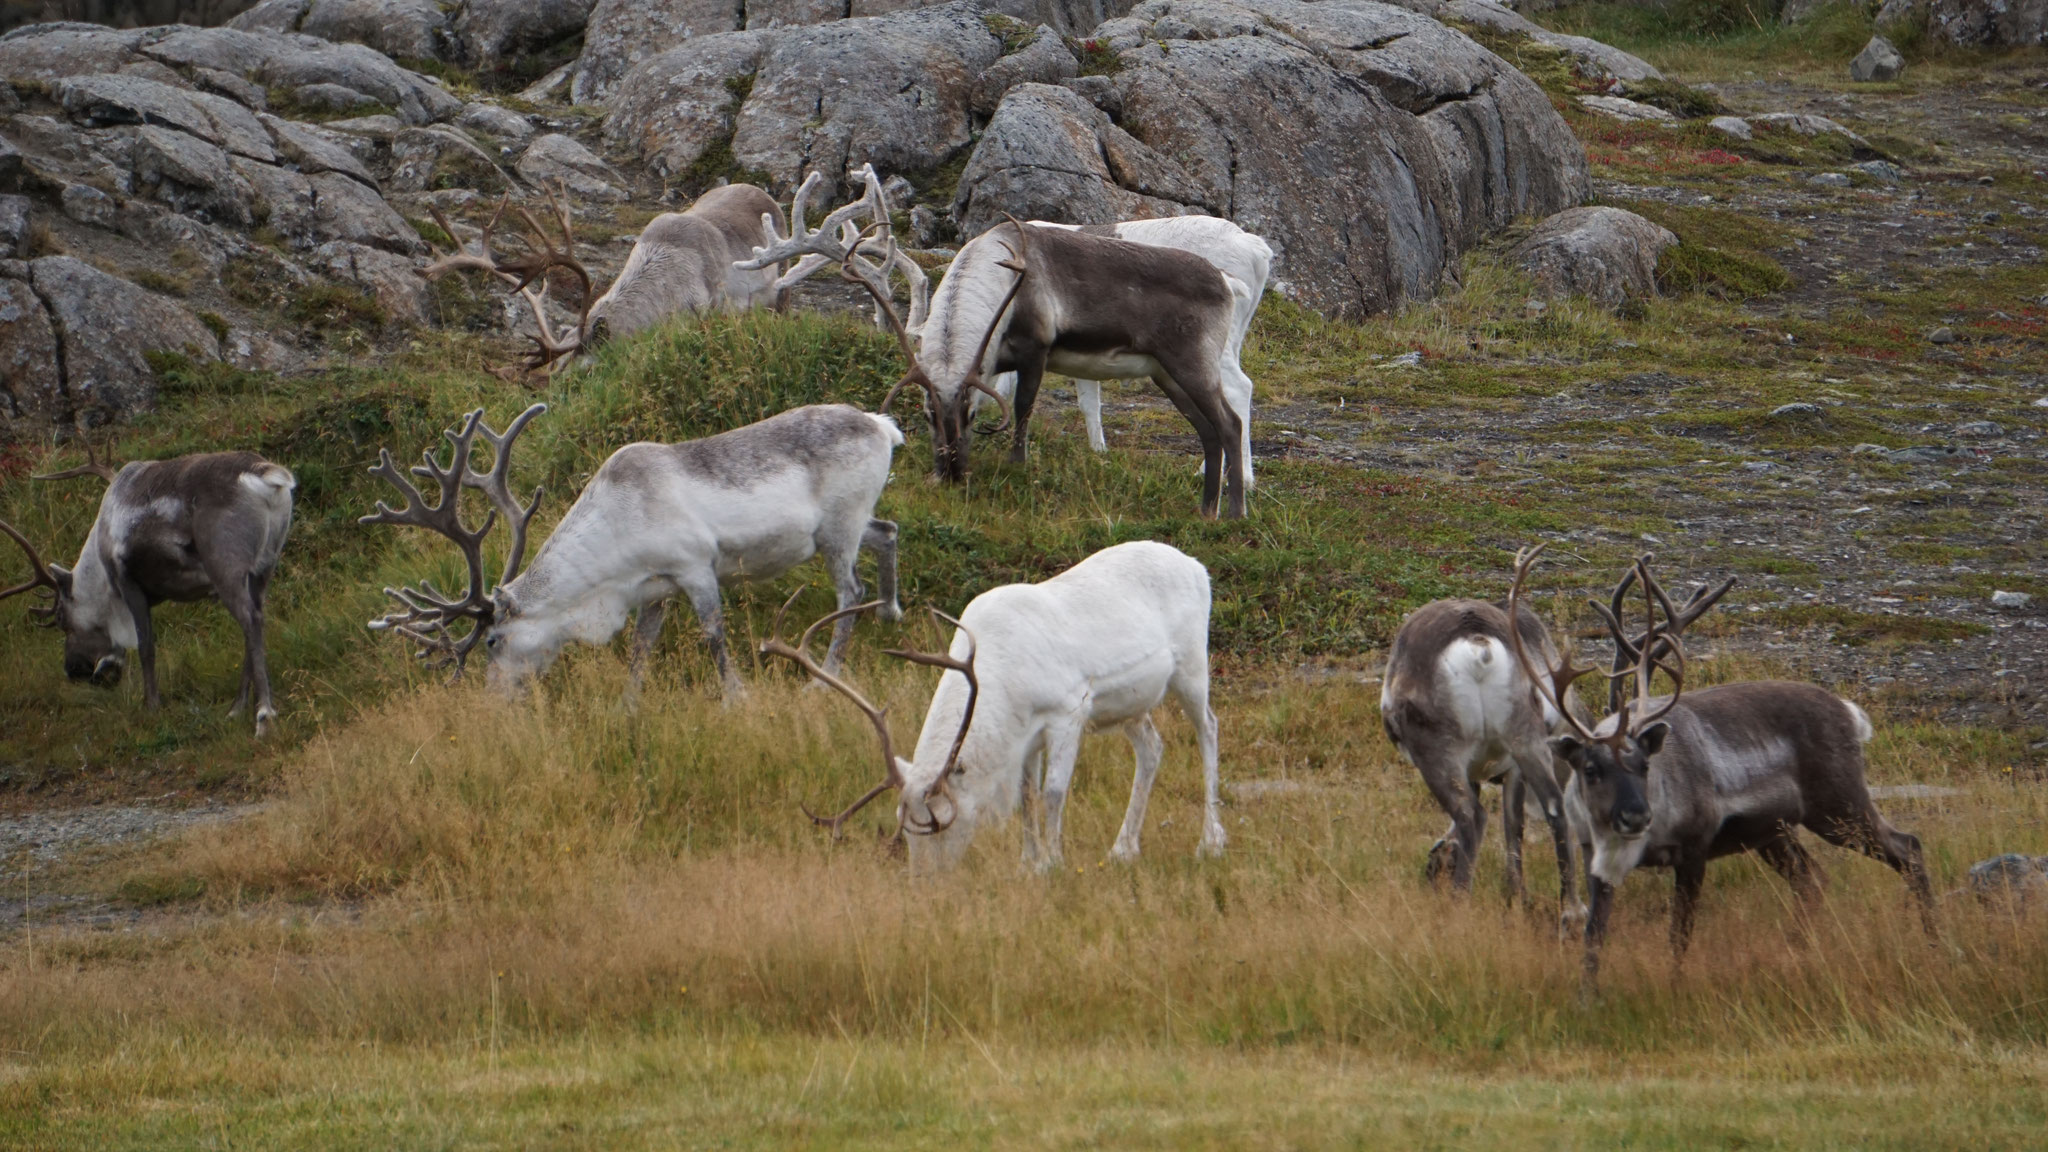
(1100,91)
(1758,466)
(1987,23)
(1942,335)
(393,280)
(52,52)
(1591,57)
(1981,430)
(380,126)
(558,161)
(415,29)
(1803,123)
(189,175)
(105,327)
(1798,11)
(273,16)
(1734,127)
(2011,599)
(95,101)
(1044,61)
(1605,254)
(425,159)
(550,86)
(1623,108)
(88,205)
(310,209)
(926,229)
(672,108)
(1882,171)
(294,62)
(1830,180)
(494,31)
(789,13)
(1879,61)
(242,91)
(151,70)
(1798,408)
(495,121)
(2012,877)
(622,33)
(332,98)
(1050,155)
(32,393)
(1925,454)
(14,226)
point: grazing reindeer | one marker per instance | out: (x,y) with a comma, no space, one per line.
(1033,668)
(1675,781)
(683,262)
(1021,298)
(1236,253)
(1461,710)
(196,527)
(656,520)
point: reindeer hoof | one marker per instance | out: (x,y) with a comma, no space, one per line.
(1438,861)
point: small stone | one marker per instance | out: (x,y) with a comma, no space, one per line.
(1830,180)
(898,191)
(1878,62)
(1623,108)
(1731,126)
(1535,307)
(1797,408)
(1405,360)
(1882,171)
(1980,429)
(1869,450)
(1987,181)
(89,205)
(1942,335)
(1925,454)
(1758,466)
(2011,599)
(2013,876)
(333,97)
(924,226)
(1989,218)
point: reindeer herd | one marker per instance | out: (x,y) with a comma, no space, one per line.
(1474,691)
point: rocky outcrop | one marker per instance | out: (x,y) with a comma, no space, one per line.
(1973,23)
(1590,58)
(1367,143)
(556,161)
(895,91)
(1607,255)
(408,29)
(1045,60)
(1879,61)
(494,31)
(75,342)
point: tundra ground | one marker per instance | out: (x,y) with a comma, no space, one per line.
(426,917)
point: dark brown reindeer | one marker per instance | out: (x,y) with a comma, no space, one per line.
(1024,298)
(207,526)
(1675,781)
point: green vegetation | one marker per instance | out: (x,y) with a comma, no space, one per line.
(1097,57)
(1015,34)
(325,306)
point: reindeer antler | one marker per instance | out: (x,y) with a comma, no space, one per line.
(800,655)
(1657,642)
(1627,650)
(523,270)
(1554,685)
(427,615)
(942,786)
(93,465)
(40,578)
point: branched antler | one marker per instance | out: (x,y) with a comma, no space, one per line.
(40,579)
(1553,685)
(426,615)
(524,271)
(93,465)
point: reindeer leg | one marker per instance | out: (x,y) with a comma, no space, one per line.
(1150,749)
(1535,761)
(1868,832)
(145,640)
(1205,428)
(1512,798)
(646,631)
(880,538)
(1030,373)
(255,665)
(839,560)
(1690,875)
(1194,696)
(702,590)
(1089,394)
(1602,895)
(1446,782)
(1062,748)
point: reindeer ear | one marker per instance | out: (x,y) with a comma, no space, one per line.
(1651,739)
(1567,746)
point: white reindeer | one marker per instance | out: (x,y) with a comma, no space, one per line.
(656,520)
(681,262)
(206,526)
(1023,298)
(1031,670)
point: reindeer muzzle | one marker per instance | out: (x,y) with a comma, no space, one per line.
(103,673)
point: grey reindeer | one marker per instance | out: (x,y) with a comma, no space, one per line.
(1675,781)
(206,526)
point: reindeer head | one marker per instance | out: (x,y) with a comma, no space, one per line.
(1612,758)
(867,256)
(92,651)
(938,823)
(447,629)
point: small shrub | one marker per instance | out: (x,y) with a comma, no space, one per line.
(1097,57)
(1680,100)
(216,324)
(159,281)
(1015,34)
(326,306)
(432,233)
(179,374)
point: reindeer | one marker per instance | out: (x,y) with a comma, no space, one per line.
(206,526)
(1092,307)
(682,262)
(656,520)
(1236,253)
(1039,666)
(1675,781)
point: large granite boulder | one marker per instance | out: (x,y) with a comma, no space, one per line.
(406,29)
(1988,23)
(104,329)
(1367,143)
(1607,255)
(1590,57)
(31,386)
(492,32)
(895,91)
